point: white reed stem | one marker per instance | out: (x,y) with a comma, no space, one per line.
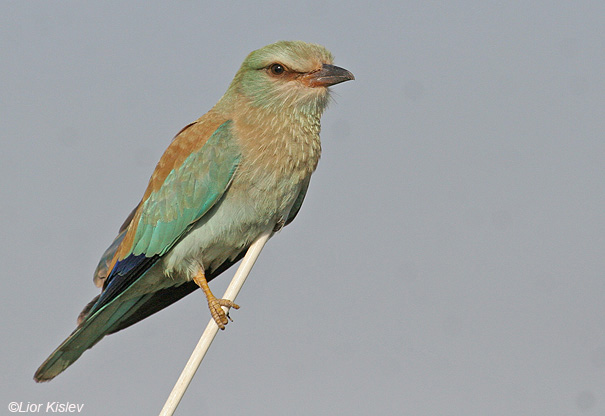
(212,329)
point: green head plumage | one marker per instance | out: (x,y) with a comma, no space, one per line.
(288,74)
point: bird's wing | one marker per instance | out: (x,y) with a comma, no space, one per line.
(299,201)
(170,207)
(181,191)
(102,270)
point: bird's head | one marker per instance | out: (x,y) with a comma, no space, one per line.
(288,75)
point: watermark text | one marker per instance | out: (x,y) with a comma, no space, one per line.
(48,407)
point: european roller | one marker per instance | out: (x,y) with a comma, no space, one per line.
(237,172)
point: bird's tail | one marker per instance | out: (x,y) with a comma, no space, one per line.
(124,310)
(88,333)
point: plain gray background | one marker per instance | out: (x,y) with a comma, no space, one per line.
(449,257)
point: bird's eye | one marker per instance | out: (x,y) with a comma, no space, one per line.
(277,69)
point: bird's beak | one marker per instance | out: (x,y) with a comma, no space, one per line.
(328,75)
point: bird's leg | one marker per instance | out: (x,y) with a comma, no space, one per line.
(214,304)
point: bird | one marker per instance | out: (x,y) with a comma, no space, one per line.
(237,172)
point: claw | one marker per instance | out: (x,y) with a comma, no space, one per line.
(218,314)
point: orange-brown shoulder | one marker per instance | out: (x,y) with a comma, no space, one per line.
(190,139)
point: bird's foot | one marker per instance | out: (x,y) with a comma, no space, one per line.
(218,314)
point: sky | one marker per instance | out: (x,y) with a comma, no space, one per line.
(448,258)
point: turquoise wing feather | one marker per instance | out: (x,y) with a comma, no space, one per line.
(187,193)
